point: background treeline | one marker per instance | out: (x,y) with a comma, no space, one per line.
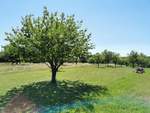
(109,58)
(133,59)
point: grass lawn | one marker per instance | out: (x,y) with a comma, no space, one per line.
(81,89)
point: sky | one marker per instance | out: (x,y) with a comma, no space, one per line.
(116,25)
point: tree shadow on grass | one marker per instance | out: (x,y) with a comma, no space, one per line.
(47,94)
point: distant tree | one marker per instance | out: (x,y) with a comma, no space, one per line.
(133,58)
(115,58)
(52,38)
(91,59)
(107,56)
(98,58)
(148,62)
(83,59)
(123,61)
(142,60)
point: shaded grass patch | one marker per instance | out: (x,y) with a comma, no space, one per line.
(45,94)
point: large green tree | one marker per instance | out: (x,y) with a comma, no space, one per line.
(11,54)
(52,38)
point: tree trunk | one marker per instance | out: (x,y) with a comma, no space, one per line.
(76,61)
(53,76)
(98,65)
(133,65)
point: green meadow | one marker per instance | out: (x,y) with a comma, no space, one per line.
(81,88)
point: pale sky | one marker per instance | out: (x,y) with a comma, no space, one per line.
(117,25)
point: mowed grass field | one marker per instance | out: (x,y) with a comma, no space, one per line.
(81,88)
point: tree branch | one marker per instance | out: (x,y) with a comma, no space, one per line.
(48,64)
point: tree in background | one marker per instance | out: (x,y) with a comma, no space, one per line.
(133,58)
(115,58)
(142,60)
(52,38)
(123,61)
(98,58)
(107,56)
(91,59)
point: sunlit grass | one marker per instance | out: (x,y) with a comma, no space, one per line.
(128,92)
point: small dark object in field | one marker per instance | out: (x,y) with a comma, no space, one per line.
(140,70)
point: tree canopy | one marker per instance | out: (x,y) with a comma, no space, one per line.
(51,38)
(133,58)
